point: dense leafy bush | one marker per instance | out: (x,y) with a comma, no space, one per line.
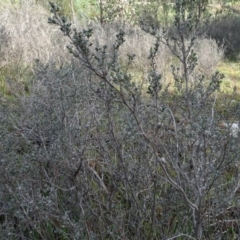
(93,151)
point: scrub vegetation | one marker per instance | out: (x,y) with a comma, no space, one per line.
(118,120)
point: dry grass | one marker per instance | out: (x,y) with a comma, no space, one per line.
(136,42)
(31,36)
(209,55)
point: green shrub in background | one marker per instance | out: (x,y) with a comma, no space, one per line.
(226,32)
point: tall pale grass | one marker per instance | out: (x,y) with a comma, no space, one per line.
(209,55)
(31,36)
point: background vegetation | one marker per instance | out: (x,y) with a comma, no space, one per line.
(120,125)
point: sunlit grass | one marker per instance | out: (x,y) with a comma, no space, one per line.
(231,71)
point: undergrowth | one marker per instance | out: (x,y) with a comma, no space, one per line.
(128,136)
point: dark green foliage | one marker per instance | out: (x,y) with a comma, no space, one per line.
(226,32)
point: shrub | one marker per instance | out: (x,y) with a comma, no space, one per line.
(91,154)
(226,33)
